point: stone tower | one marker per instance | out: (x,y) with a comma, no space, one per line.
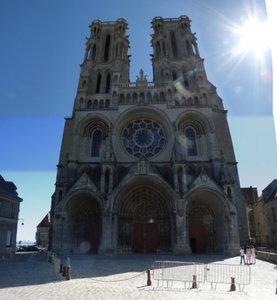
(146,167)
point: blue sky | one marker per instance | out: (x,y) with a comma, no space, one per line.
(43,44)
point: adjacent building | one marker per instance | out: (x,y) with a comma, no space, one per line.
(265,217)
(9,210)
(146,166)
(42,234)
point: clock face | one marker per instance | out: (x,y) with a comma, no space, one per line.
(143,137)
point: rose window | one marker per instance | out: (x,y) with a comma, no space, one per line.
(143,137)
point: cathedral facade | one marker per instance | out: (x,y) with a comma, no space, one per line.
(146,167)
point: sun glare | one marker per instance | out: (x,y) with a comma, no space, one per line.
(253,36)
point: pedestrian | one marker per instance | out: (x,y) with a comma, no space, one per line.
(242,255)
(248,255)
(253,254)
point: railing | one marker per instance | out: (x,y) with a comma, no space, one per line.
(167,272)
(222,273)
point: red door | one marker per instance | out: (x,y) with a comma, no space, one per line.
(151,238)
(138,238)
(197,238)
(93,238)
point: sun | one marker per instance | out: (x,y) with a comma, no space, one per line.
(253,36)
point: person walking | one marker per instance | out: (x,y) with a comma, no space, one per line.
(248,255)
(242,255)
(253,254)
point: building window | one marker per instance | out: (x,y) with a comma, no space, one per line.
(9,238)
(174,44)
(12,210)
(143,137)
(107,48)
(43,236)
(273,214)
(191,142)
(96,143)
(98,83)
(108,83)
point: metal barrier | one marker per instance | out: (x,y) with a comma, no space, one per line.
(224,273)
(195,273)
(186,272)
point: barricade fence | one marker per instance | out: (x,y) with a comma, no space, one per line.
(168,272)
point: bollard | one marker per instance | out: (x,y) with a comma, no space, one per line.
(233,287)
(194,283)
(61,268)
(68,277)
(64,271)
(148,278)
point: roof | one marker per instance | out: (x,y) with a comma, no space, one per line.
(269,193)
(45,221)
(8,188)
(250,195)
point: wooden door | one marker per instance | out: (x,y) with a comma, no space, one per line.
(93,238)
(138,238)
(197,238)
(151,238)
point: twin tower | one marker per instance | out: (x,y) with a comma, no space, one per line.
(146,167)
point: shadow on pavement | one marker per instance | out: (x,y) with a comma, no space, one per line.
(34,269)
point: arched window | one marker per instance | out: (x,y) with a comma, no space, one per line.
(95,104)
(122,98)
(135,97)
(162,98)
(196,101)
(191,142)
(186,84)
(163,47)
(107,48)
(174,75)
(107,103)
(149,97)
(81,103)
(141,97)
(89,104)
(128,98)
(155,97)
(188,47)
(98,83)
(96,143)
(101,103)
(174,44)
(60,195)
(158,50)
(229,192)
(93,52)
(108,83)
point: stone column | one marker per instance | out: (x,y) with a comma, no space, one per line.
(110,182)
(184,180)
(233,235)
(106,247)
(176,184)
(181,247)
(102,182)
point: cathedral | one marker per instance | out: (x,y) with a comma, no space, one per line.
(146,167)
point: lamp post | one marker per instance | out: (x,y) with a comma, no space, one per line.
(22,223)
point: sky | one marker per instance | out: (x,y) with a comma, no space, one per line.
(43,45)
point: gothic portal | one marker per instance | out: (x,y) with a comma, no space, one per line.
(146,167)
